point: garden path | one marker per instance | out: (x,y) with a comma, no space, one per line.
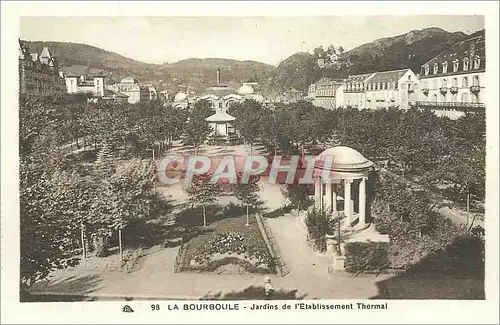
(156,278)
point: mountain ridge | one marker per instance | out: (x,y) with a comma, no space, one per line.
(409,50)
(198,73)
(298,71)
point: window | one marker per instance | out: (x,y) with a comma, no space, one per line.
(384,85)
(477,63)
(465,97)
(426,69)
(445,67)
(379,86)
(465,82)
(444,83)
(434,98)
(455,82)
(475,81)
(435,68)
(434,84)
(466,64)
(455,66)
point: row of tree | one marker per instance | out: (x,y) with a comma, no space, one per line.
(415,144)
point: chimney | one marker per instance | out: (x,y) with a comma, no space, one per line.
(218,76)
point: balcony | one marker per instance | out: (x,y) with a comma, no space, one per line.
(352,90)
(425,91)
(443,90)
(454,90)
(459,106)
(475,89)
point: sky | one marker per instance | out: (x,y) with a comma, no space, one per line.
(264,39)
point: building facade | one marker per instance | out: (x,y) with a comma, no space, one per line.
(378,90)
(388,89)
(38,72)
(352,91)
(130,87)
(81,84)
(323,93)
(453,82)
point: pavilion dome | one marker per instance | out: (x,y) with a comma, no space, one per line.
(245,90)
(180,97)
(343,159)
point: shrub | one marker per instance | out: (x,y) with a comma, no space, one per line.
(366,257)
(317,224)
(255,293)
(278,212)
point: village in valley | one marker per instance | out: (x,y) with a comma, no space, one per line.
(401,215)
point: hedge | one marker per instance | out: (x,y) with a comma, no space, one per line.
(279,212)
(366,257)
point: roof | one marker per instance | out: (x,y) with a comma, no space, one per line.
(220,117)
(111,93)
(359,77)
(45,53)
(470,48)
(245,89)
(180,97)
(83,70)
(344,159)
(388,76)
(235,96)
(219,91)
(128,80)
(257,97)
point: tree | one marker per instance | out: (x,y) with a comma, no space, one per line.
(249,120)
(47,221)
(202,191)
(247,191)
(197,128)
(298,194)
(132,188)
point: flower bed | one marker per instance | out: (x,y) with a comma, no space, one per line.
(229,241)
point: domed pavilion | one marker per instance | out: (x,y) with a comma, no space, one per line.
(342,165)
(181,100)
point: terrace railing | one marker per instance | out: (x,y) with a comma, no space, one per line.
(272,245)
(459,106)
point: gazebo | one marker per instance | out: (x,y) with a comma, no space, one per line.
(221,124)
(339,165)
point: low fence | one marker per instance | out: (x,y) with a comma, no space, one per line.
(179,259)
(271,245)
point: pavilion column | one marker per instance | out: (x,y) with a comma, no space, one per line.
(362,202)
(328,200)
(347,200)
(334,197)
(317,192)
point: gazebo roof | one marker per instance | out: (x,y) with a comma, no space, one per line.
(221,117)
(343,159)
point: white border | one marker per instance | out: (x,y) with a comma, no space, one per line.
(430,311)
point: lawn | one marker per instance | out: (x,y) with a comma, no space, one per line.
(222,225)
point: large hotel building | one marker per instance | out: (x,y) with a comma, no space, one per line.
(454,81)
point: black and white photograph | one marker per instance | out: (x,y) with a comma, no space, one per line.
(217,163)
